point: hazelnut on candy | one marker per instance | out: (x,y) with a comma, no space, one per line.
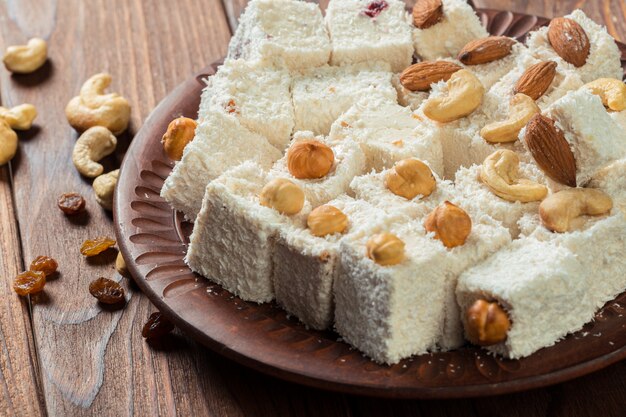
(310,159)
(451,224)
(385,249)
(487,323)
(326,220)
(410,178)
(282,195)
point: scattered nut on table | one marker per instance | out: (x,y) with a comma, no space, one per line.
(104,188)
(8,142)
(410,178)
(309,159)
(95,108)
(179,133)
(282,195)
(611,91)
(560,211)
(522,109)
(500,173)
(385,249)
(326,220)
(465,94)
(24,59)
(93,145)
(450,223)
(486,323)
(120,266)
(19,117)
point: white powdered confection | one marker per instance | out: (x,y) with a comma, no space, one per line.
(604,56)
(391,312)
(406,97)
(619,117)
(349,162)
(458,26)
(492,72)
(479,198)
(593,135)
(305,265)
(550,288)
(370,30)
(321,95)
(220,143)
(281,33)
(259,97)
(234,235)
(612,180)
(371,188)
(388,132)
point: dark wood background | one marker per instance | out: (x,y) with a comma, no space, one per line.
(61,354)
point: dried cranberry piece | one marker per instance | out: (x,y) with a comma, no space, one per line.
(374,8)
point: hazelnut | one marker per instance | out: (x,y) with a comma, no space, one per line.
(385,249)
(282,195)
(487,323)
(310,159)
(451,224)
(179,133)
(326,220)
(410,178)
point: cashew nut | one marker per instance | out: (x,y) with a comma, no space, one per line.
(8,142)
(94,108)
(104,187)
(612,92)
(559,211)
(24,59)
(19,117)
(500,173)
(92,146)
(522,109)
(465,94)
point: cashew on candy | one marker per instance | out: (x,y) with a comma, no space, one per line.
(522,109)
(500,173)
(559,211)
(611,91)
(465,94)
(93,145)
(94,108)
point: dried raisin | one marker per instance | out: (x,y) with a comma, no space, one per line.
(106,291)
(71,203)
(45,264)
(157,326)
(93,247)
(29,282)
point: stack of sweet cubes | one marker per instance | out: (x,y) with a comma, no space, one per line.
(409,181)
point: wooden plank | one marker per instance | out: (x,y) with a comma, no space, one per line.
(20,388)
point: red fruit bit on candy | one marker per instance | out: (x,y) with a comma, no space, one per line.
(374,8)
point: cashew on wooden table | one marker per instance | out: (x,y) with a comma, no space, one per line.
(24,59)
(93,145)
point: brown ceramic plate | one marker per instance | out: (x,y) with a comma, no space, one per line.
(153,240)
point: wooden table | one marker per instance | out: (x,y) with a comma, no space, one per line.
(61,354)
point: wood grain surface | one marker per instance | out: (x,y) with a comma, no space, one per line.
(61,354)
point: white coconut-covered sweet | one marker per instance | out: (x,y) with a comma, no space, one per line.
(234,235)
(370,30)
(260,98)
(387,133)
(322,94)
(281,33)
(220,143)
(604,56)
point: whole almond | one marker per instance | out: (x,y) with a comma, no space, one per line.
(427,13)
(536,80)
(569,40)
(419,77)
(550,149)
(482,51)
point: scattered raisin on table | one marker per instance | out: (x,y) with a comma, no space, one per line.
(157,326)
(106,291)
(29,282)
(71,203)
(93,247)
(44,264)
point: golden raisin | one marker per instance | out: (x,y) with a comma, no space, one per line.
(45,264)
(29,282)
(71,203)
(93,247)
(106,291)
(157,326)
